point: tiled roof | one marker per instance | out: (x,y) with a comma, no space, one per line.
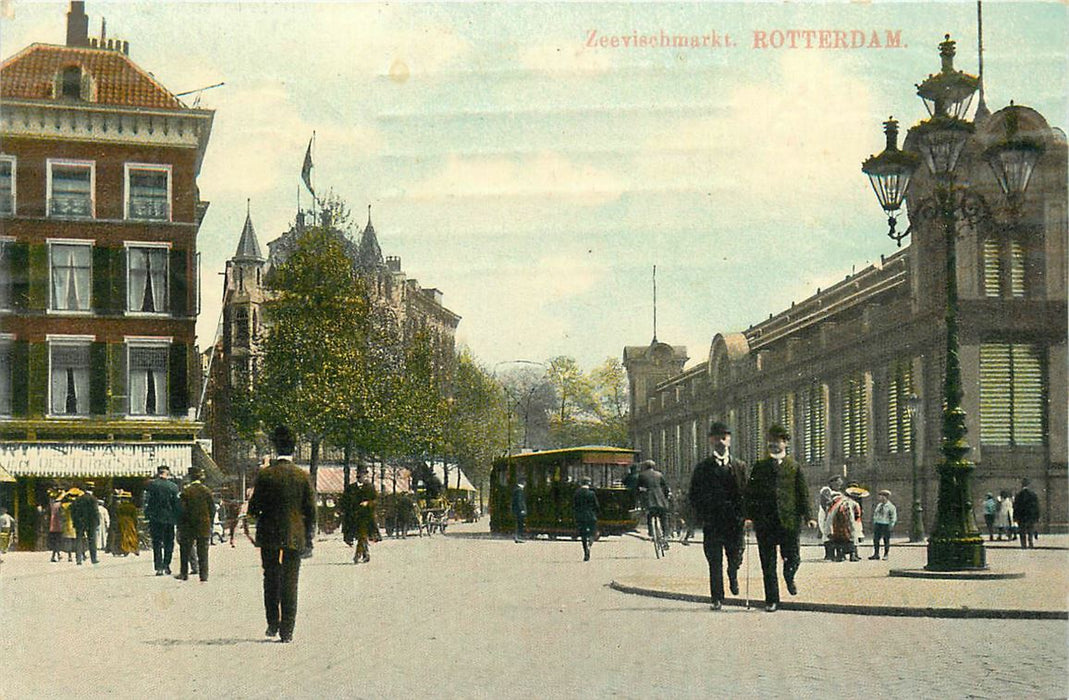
(31,74)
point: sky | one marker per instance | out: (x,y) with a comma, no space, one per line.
(535,173)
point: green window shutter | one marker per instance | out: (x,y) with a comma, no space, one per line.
(20,274)
(20,387)
(117,282)
(1018,284)
(102,302)
(179,379)
(120,404)
(98,379)
(179,264)
(39,277)
(992,268)
(37,379)
(995,395)
(1029,396)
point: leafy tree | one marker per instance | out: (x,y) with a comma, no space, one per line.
(313,354)
(531,401)
(475,426)
(609,381)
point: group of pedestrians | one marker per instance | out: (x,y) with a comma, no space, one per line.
(78,524)
(773,499)
(187,513)
(1013,516)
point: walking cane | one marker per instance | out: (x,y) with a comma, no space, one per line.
(746,553)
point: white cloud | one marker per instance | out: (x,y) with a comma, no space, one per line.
(542,175)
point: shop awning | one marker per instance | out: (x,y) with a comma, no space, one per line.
(64,460)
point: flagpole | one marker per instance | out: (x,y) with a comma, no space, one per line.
(315,199)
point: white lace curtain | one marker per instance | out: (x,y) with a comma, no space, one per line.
(147,288)
(71,267)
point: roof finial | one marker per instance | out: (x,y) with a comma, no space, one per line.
(248,206)
(369,215)
(654,303)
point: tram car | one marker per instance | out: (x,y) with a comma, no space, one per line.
(551,478)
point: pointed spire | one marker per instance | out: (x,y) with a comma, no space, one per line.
(369,255)
(248,246)
(982,112)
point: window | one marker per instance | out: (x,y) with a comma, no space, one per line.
(69,384)
(146,279)
(148,192)
(241,327)
(1012,395)
(70,82)
(899,425)
(992,268)
(7,185)
(814,410)
(147,380)
(855,416)
(70,188)
(754,433)
(71,266)
(1017,278)
(6,385)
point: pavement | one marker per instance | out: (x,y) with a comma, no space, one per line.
(1019,583)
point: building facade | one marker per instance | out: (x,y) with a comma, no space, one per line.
(839,369)
(99,214)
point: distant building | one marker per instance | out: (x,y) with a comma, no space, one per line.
(396,299)
(99,213)
(838,369)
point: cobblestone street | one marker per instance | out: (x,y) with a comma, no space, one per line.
(469,616)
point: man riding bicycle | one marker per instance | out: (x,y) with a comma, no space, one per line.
(653,494)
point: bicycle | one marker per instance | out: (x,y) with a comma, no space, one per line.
(660,544)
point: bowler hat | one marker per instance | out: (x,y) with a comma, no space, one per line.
(718,428)
(196,472)
(162,468)
(778,432)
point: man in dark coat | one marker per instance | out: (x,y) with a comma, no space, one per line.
(86,519)
(1026,512)
(519,509)
(358,515)
(654,494)
(161,510)
(284,508)
(195,514)
(777,499)
(716,489)
(585,507)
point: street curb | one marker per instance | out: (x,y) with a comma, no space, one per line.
(844,609)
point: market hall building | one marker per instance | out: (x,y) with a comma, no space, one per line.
(839,369)
(99,214)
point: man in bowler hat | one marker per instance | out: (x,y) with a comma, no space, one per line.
(716,495)
(777,500)
(284,508)
(161,510)
(195,514)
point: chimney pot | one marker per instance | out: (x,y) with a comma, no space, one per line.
(77,25)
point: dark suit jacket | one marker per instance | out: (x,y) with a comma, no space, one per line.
(654,489)
(585,506)
(1026,507)
(84,512)
(196,511)
(161,501)
(519,502)
(716,494)
(283,506)
(777,496)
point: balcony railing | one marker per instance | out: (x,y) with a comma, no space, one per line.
(73,206)
(149,209)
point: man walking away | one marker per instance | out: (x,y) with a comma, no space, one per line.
(884,518)
(716,489)
(161,510)
(86,520)
(195,525)
(586,509)
(519,510)
(284,509)
(1026,510)
(777,499)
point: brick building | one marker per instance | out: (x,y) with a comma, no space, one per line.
(99,213)
(838,369)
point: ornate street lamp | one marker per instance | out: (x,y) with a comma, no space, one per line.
(889,173)
(955,544)
(916,525)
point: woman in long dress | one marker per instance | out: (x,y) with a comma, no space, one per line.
(126,514)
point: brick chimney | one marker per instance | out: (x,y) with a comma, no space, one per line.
(77,25)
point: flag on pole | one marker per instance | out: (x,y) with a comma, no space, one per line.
(306,169)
